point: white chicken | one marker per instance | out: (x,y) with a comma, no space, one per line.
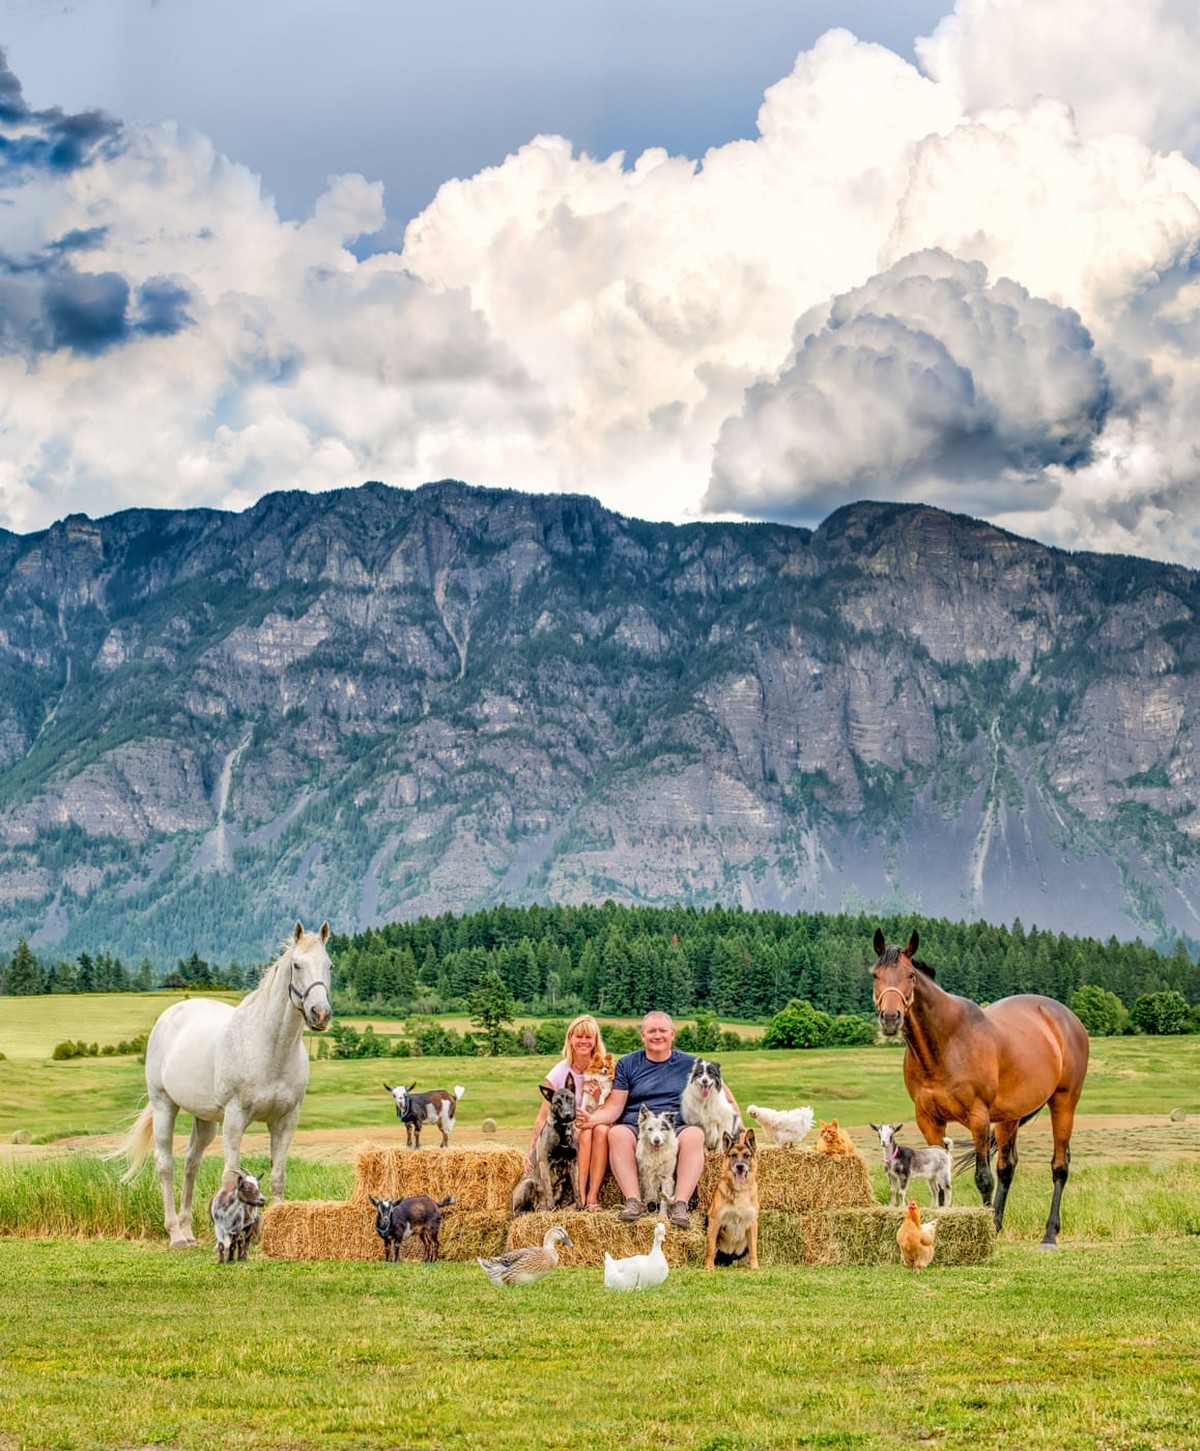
(638,1272)
(789,1125)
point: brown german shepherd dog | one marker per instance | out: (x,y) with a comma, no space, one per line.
(733,1213)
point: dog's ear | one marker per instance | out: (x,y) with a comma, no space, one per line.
(670,1117)
(750,1144)
(547,1093)
(726,1142)
(643,1115)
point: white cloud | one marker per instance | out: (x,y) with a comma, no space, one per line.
(926,381)
(1126,67)
(750,323)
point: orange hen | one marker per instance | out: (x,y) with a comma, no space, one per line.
(916,1239)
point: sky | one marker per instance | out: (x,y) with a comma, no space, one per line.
(701,259)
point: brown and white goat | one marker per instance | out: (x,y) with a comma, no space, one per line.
(236,1212)
(414,1110)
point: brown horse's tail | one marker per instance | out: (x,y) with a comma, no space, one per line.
(964,1161)
(136,1143)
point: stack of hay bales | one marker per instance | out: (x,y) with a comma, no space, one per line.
(797,1191)
(814,1209)
(481,1181)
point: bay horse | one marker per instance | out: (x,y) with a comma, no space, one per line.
(989,1069)
(238,1065)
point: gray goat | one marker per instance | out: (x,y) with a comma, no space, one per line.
(930,1162)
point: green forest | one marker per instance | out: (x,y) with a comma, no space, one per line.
(742,966)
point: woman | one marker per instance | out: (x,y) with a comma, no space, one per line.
(582,1040)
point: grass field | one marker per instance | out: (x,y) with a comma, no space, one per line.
(114,1345)
(108,1340)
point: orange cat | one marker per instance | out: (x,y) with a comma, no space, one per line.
(832,1140)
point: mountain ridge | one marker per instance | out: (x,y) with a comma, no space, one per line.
(376,703)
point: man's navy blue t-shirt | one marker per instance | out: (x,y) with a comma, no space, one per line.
(657,1085)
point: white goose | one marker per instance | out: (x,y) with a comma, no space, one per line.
(638,1272)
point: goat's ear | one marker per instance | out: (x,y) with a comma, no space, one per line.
(874,1126)
(880,942)
(388,1086)
(896,1128)
(410,1087)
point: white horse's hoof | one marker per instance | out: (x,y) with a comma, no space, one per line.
(184,1243)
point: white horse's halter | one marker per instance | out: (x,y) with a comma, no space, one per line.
(299,998)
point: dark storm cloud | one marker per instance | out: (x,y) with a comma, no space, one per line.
(47,306)
(53,140)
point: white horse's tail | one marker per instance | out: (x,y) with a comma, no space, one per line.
(136,1143)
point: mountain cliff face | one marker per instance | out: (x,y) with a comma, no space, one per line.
(380,703)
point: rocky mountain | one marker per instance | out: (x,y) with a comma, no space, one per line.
(377,703)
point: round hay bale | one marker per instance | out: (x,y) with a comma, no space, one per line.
(303,1229)
(594,1235)
(488,1126)
(868,1236)
(481,1177)
(1178,1116)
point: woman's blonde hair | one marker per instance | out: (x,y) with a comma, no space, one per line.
(587,1022)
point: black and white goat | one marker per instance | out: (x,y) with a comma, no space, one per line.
(930,1162)
(236,1211)
(414,1110)
(418,1216)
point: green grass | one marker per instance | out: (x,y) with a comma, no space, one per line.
(118,1345)
(45,1099)
(108,1340)
(30,1027)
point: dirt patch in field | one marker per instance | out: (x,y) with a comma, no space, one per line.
(1098,1138)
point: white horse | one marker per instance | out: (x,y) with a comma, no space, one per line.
(241,1065)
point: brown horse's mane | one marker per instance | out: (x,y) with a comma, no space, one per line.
(892,954)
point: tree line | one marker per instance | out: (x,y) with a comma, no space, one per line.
(620,960)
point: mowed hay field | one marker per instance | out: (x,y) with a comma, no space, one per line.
(107,1339)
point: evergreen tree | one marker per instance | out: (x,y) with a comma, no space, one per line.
(491,1009)
(24,977)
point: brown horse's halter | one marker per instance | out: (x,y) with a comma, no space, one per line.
(905,1002)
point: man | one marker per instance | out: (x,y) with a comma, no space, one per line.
(655,1075)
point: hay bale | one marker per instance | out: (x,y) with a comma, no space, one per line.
(868,1236)
(799,1180)
(479,1178)
(304,1229)
(594,1235)
(796,1180)
(785,1238)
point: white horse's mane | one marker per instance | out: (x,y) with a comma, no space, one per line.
(260,994)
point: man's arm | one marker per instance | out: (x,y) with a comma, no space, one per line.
(609,1111)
